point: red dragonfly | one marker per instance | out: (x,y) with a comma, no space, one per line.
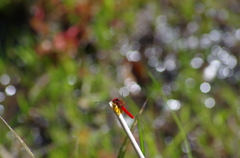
(121,104)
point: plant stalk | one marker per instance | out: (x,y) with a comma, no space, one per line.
(118,112)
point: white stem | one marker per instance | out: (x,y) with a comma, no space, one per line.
(128,132)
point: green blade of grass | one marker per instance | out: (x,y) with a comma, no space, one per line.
(141,138)
(175,117)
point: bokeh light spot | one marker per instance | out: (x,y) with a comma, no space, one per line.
(193,42)
(237,34)
(133,56)
(215,35)
(170,63)
(205,41)
(72,79)
(104,129)
(2,96)
(228,39)
(196,62)
(160,67)
(1,109)
(5,79)
(124,91)
(192,27)
(211,71)
(153,61)
(231,62)
(135,88)
(149,52)
(173,104)
(10,90)
(223,55)
(190,82)
(166,90)
(209,102)
(159,122)
(95,69)
(205,87)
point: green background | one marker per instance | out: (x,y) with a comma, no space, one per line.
(59,60)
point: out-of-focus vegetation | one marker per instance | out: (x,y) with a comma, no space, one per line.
(57,58)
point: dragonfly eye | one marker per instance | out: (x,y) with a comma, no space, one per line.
(115,99)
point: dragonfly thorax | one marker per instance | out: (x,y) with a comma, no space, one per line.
(118,102)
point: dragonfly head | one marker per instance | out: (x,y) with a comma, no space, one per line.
(118,102)
(115,100)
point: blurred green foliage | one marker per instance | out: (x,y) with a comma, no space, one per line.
(60,59)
